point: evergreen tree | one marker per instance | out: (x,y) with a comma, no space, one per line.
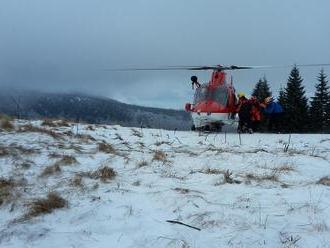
(294,103)
(261,89)
(319,111)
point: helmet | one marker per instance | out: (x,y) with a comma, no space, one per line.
(241,94)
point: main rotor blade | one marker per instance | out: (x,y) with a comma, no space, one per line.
(216,67)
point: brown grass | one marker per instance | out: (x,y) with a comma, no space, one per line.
(34,129)
(6,188)
(104,173)
(14,150)
(3,151)
(6,125)
(46,205)
(55,123)
(324,181)
(182,190)
(106,148)
(273,177)
(51,170)
(67,160)
(285,168)
(137,133)
(76,181)
(159,156)
(212,171)
(84,137)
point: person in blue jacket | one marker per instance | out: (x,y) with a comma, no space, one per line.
(274,111)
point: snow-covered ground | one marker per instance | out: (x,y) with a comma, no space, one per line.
(247,191)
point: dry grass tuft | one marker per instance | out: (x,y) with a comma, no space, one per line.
(159,143)
(6,125)
(46,205)
(76,181)
(51,170)
(142,163)
(324,181)
(182,190)
(106,148)
(67,160)
(212,171)
(48,123)
(3,151)
(85,137)
(6,189)
(273,177)
(34,129)
(285,168)
(55,123)
(137,133)
(159,156)
(104,173)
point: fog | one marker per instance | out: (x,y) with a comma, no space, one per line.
(68,45)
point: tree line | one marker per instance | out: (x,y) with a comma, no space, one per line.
(300,113)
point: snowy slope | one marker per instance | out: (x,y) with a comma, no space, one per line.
(274,199)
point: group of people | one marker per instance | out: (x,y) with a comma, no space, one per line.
(251,112)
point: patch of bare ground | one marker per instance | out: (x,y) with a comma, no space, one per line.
(34,129)
(324,181)
(46,205)
(106,148)
(103,173)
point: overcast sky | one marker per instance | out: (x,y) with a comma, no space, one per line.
(66,45)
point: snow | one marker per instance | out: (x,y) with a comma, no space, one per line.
(276,201)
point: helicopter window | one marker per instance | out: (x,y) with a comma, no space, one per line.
(201,94)
(220,95)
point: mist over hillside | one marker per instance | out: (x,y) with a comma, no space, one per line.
(91,109)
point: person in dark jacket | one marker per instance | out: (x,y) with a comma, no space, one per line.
(244,114)
(274,111)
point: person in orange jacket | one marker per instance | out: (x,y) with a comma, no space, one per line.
(255,113)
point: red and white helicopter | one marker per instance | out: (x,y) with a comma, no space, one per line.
(215,103)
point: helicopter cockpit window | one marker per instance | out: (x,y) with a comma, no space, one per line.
(220,95)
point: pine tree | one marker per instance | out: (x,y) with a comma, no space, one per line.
(294,103)
(261,89)
(320,105)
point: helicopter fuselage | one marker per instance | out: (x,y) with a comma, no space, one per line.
(214,104)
